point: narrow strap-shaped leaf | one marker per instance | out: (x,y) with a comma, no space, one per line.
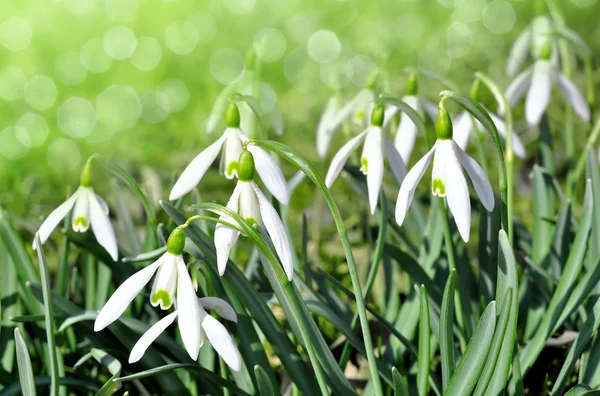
(264,384)
(113,366)
(446,333)
(582,390)
(424,344)
(24,365)
(400,388)
(471,364)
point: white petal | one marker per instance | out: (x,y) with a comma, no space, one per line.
(118,302)
(372,164)
(430,108)
(518,147)
(406,133)
(231,152)
(140,347)
(225,238)
(222,342)
(270,173)
(438,173)
(462,126)
(325,128)
(103,229)
(189,310)
(388,114)
(408,187)
(103,204)
(480,181)
(457,192)
(276,231)
(542,28)
(196,169)
(222,307)
(165,282)
(55,217)
(340,158)
(574,97)
(361,98)
(518,86)
(518,52)
(397,165)
(538,96)
(249,208)
(81,212)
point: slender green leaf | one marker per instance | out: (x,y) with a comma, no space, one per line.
(582,390)
(408,110)
(264,384)
(147,256)
(114,368)
(71,383)
(400,388)
(24,365)
(424,344)
(446,333)
(471,364)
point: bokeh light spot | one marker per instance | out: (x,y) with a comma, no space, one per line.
(118,107)
(205,26)
(362,68)
(11,147)
(69,68)
(81,7)
(499,16)
(147,55)
(12,83)
(301,70)
(240,6)
(76,117)
(226,65)
(93,56)
(172,95)
(63,155)
(181,37)
(324,46)
(459,40)
(31,130)
(152,111)
(15,33)
(269,44)
(122,11)
(119,42)
(337,74)
(40,92)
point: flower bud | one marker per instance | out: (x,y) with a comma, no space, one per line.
(474,94)
(546,51)
(443,124)
(246,166)
(85,177)
(176,241)
(377,115)
(412,85)
(232,116)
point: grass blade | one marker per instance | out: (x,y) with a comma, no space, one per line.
(424,344)
(400,388)
(264,384)
(24,365)
(446,330)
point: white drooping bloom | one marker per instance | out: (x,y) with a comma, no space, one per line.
(448,179)
(538,80)
(463,130)
(89,209)
(372,158)
(172,285)
(250,203)
(231,143)
(209,328)
(531,41)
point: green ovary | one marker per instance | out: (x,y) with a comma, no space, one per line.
(438,188)
(81,221)
(364,165)
(163,297)
(231,168)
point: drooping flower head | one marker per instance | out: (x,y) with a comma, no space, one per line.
(372,158)
(249,202)
(89,210)
(231,143)
(172,285)
(538,80)
(447,179)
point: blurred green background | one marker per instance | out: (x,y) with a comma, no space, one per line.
(136,79)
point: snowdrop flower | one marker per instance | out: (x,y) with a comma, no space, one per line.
(406,133)
(209,327)
(231,143)
(89,209)
(447,177)
(538,81)
(250,203)
(326,127)
(172,283)
(372,158)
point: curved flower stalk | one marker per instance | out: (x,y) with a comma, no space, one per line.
(231,143)
(172,285)
(249,202)
(372,158)
(538,81)
(406,134)
(210,328)
(447,178)
(89,209)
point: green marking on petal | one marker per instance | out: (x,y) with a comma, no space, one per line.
(163,297)
(80,221)
(364,165)
(232,168)
(252,221)
(438,188)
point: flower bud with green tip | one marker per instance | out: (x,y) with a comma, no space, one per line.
(412,84)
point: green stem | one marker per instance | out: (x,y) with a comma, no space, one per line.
(377,257)
(452,264)
(579,169)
